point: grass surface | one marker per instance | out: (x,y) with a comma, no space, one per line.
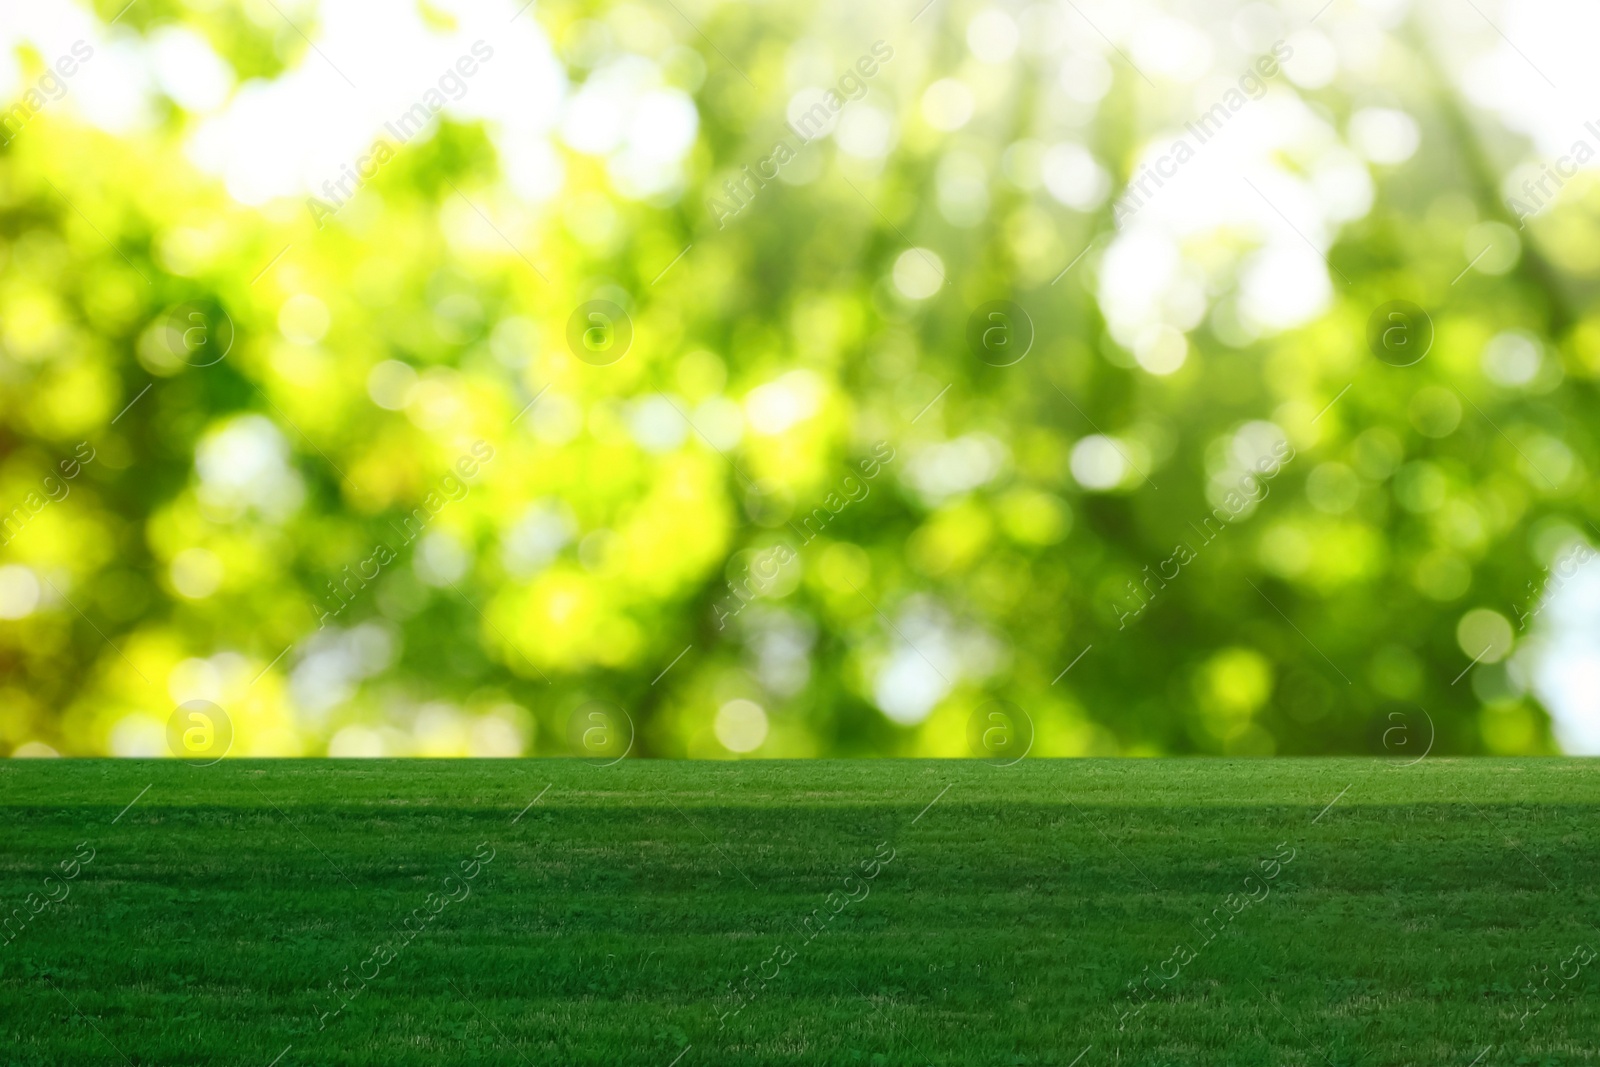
(641,910)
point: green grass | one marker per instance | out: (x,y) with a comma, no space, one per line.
(619,909)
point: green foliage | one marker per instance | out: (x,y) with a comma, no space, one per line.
(195,554)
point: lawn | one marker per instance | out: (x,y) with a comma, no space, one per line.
(1336,911)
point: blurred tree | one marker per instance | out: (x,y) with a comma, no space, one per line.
(378,482)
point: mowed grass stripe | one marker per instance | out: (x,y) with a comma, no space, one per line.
(618,910)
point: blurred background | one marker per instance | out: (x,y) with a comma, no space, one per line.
(781,379)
